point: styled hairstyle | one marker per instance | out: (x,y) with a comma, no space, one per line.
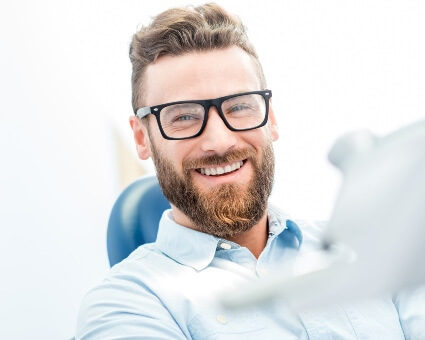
(181,30)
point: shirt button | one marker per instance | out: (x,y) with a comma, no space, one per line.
(222,319)
(225,246)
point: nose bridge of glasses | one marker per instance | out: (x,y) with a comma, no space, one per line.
(216,135)
(214,105)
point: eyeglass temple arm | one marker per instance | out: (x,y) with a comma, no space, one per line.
(142,112)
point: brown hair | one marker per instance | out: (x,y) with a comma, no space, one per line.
(181,30)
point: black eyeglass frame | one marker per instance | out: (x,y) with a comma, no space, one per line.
(207,103)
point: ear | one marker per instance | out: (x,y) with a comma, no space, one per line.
(141,137)
(272,123)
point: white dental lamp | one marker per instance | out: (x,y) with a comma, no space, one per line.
(374,242)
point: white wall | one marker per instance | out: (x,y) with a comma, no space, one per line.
(333,66)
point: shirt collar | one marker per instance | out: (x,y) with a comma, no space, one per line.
(279,222)
(184,245)
(196,249)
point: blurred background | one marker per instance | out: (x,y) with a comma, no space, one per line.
(66,148)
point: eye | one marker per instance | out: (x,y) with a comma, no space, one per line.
(184,117)
(238,108)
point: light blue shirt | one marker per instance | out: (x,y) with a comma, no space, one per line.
(168,290)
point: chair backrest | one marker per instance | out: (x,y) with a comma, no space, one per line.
(134,218)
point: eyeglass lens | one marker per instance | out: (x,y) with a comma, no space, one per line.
(186,119)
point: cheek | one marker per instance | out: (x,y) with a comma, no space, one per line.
(176,156)
(262,137)
(271,133)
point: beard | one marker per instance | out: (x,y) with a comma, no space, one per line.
(228,209)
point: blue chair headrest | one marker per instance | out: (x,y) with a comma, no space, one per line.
(135,217)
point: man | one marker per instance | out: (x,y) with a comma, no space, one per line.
(205,116)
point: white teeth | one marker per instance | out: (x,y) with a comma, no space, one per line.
(220,170)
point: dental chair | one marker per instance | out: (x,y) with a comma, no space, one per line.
(134,218)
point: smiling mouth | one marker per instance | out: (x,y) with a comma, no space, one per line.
(217,171)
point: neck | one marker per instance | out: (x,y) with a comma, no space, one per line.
(254,239)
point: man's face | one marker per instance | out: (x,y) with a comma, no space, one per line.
(224,205)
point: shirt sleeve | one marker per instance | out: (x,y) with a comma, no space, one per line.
(410,304)
(121,309)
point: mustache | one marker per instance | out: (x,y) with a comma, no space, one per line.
(211,160)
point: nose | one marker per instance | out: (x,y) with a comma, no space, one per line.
(216,137)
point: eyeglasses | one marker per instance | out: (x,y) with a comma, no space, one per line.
(187,119)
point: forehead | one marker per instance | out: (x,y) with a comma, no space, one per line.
(200,75)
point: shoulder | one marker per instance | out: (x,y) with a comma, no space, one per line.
(127,300)
(142,268)
(126,278)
